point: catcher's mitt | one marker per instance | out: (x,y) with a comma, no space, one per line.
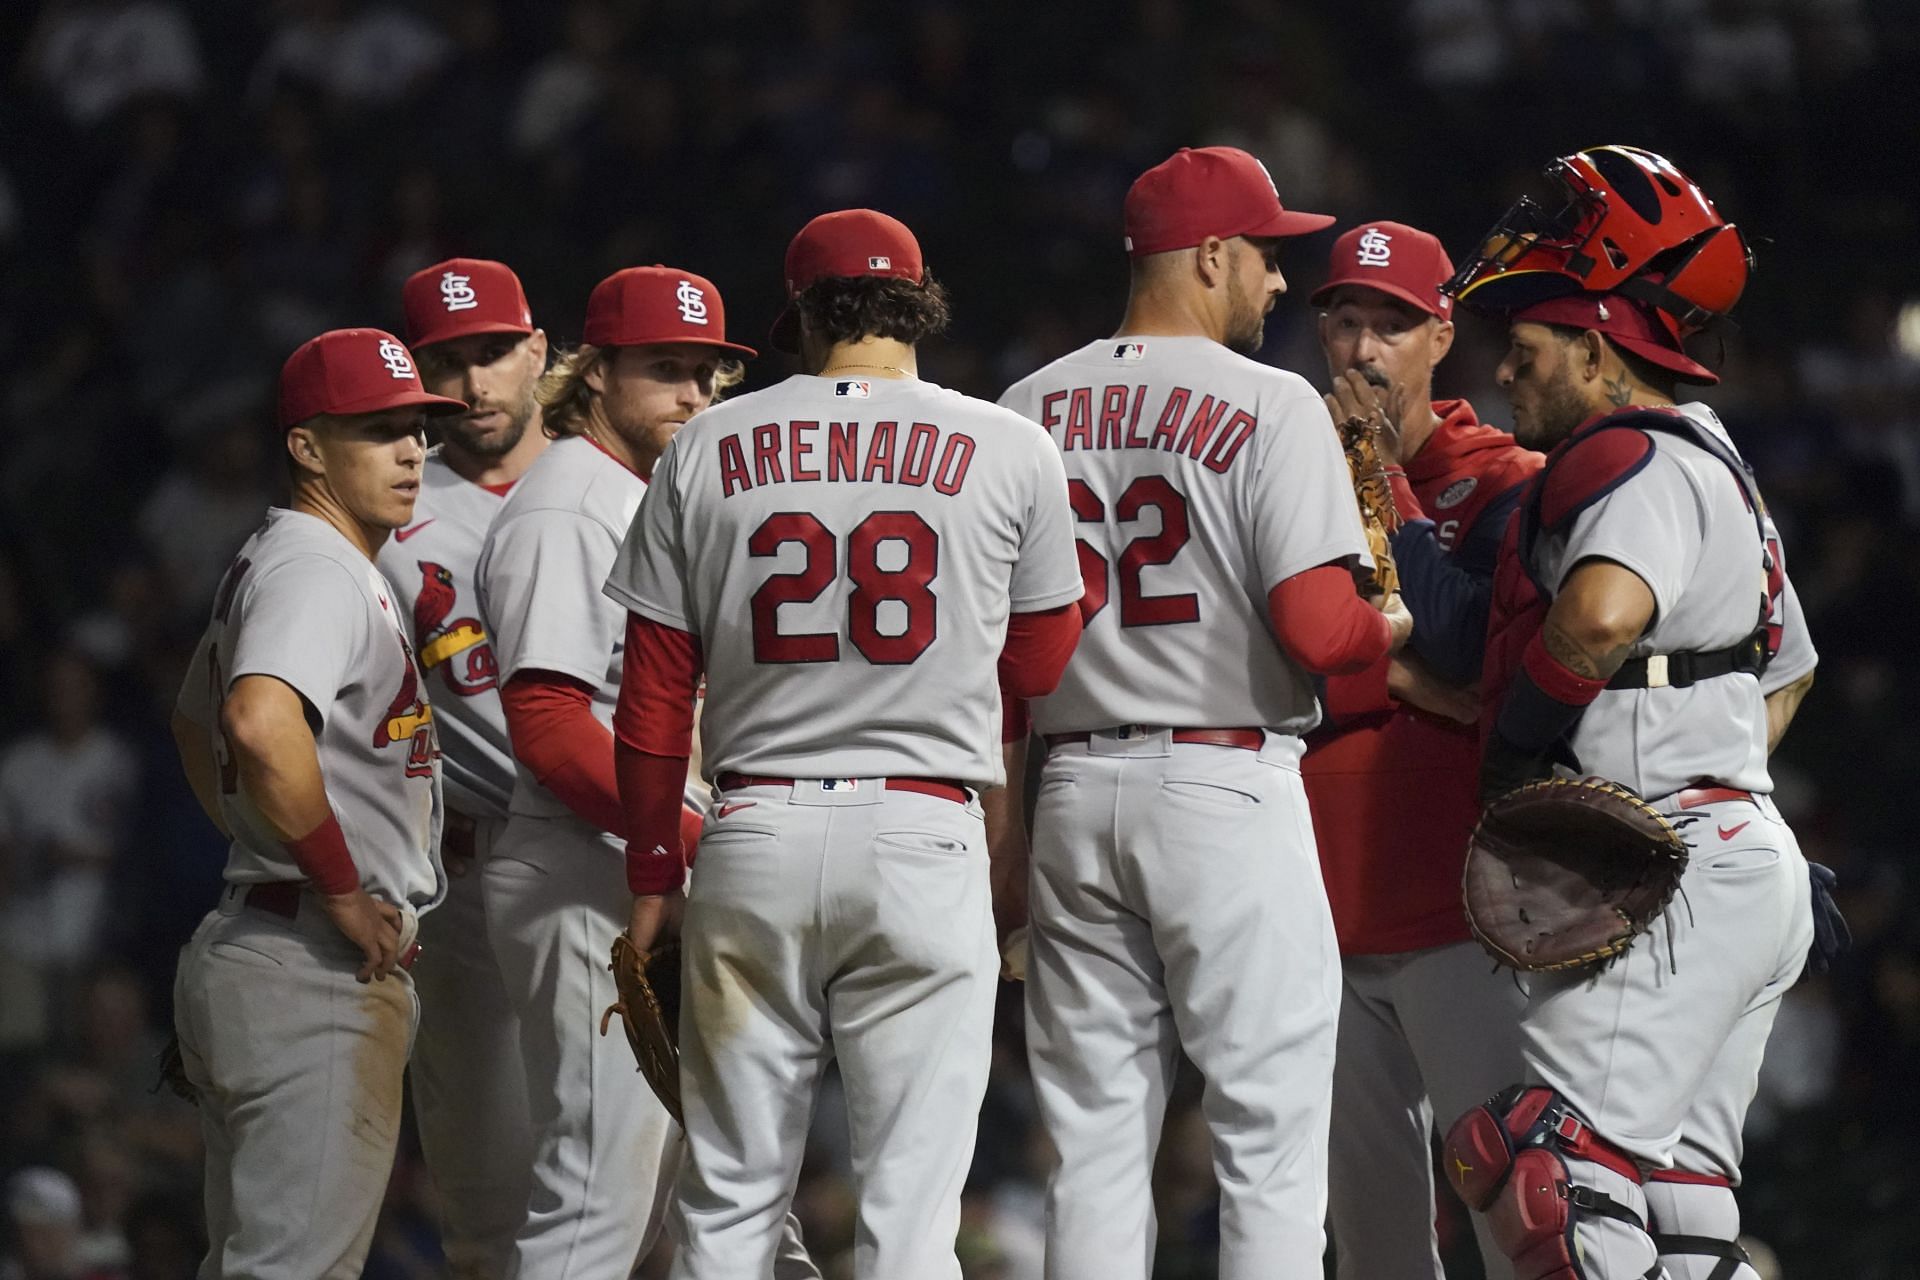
(1374,492)
(1568,872)
(649,1009)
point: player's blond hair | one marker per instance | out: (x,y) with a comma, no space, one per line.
(566,399)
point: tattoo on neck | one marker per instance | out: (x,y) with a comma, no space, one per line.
(1619,393)
(1575,657)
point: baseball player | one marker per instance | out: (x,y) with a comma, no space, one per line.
(605,1151)
(1643,631)
(849,555)
(470,330)
(1176,895)
(304,728)
(1425,1021)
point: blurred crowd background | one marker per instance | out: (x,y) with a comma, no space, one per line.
(190,189)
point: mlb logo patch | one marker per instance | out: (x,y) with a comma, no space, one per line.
(858,388)
(1130,351)
(839,784)
(879,263)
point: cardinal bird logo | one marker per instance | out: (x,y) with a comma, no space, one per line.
(409,719)
(441,640)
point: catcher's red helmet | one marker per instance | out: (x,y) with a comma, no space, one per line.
(1632,224)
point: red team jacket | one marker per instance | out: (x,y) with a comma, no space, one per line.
(1394,791)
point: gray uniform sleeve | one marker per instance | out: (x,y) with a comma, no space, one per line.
(1651,525)
(1303,512)
(1047,575)
(303,621)
(649,577)
(543,596)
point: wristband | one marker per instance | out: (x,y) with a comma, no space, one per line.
(322,856)
(1555,679)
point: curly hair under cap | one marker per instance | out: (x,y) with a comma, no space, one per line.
(848,308)
(566,399)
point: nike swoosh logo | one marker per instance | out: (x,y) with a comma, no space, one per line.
(401,535)
(735,807)
(1728,833)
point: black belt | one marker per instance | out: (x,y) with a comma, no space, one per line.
(1691,666)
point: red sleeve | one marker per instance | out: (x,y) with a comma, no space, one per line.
(1037,648)
(1015,723)
(654,723)
(550,720)
(1359,694)
(1324,625)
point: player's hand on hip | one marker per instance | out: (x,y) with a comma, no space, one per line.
(371,925)
(1399,621)
(656,919)
(1413,682)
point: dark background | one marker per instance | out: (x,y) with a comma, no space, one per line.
(189,190)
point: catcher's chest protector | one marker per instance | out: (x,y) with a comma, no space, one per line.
(1505,1159)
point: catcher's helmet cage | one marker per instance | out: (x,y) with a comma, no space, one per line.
(1630,223)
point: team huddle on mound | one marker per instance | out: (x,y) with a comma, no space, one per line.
(749,682)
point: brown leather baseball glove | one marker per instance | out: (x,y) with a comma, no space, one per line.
(1567,872)
(649,1009)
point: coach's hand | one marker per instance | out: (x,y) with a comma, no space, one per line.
(1413,682)
(371,925)
(656,919)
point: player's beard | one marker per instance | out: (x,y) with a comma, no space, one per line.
(479,444)
(1558,409)
(1246,322)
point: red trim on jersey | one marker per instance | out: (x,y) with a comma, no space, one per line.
(659,679)
(602,448)
(550,720)
(502,489)
(1554,678)
(650,791)
(322,856)
(1324,625)
(1037,649)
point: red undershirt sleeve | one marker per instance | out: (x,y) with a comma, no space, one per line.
(550,721)
(1037,648)
(654,726)
(1324,625)
(1358,694)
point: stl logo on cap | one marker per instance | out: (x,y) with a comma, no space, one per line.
(457,291)
(1375,248)
(693,302)
(399,362)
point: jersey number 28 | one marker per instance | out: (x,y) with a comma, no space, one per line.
(910,585)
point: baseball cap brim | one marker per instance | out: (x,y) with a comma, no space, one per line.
(435,406)
(466,329)
(1324,294)
(1290,222)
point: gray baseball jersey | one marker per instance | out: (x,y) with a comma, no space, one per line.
(430,565)
(540,573)
(1682,525)
(1201,480)
(848,552)
(301,604)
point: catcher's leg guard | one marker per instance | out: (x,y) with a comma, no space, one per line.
(1696,1226)
(1508,1158)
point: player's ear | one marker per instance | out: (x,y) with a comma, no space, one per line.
(303,449)
(595,375)
(537,347)
(1442,341)
(1210,261)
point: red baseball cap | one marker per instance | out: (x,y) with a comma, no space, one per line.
(639,306)
(844,245)
(460,296)
(1208,191)
(1401,261)
(353,371)
(1626,323)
